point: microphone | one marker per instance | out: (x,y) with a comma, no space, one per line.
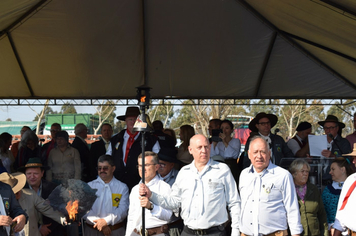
(334,140)
(276,131)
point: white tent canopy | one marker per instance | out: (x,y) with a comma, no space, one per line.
(181,49)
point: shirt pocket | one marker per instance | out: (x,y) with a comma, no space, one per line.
(269,193)
(214,186)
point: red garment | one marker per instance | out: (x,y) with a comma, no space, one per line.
(347,196)
(129,143)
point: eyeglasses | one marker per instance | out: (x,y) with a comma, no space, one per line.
(264,123)
(146,165)
(162,165)
(330,128)
(104,168)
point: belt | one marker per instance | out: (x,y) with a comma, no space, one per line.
(153,231)
(211,230)
(174,223)
(352,233)
(277,233)
(112,227)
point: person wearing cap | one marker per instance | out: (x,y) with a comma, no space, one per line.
(10,209)
(261,125)
(31,203)
(47,147)
(109,211)
(99,148)
(63,161)
(167,172)
(126,146)
(336,145)
(299,143)
(34,171)
(345,220)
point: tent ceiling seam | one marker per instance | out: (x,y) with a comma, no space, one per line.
(265,63)
(18,59)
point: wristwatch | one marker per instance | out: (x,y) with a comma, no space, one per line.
(151,206)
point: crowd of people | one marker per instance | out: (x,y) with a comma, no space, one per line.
(206,186)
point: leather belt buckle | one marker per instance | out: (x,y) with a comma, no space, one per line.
(200,232)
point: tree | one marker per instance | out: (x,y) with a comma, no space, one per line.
(40,115)
(48,110)
(163,112)
(68,108)
(344,112)
(8,119)
(106,114)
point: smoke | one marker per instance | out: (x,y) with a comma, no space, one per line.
(71,190)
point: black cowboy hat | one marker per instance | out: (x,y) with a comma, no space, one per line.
(168,154)
(130,111)
(272,119)
(331,118)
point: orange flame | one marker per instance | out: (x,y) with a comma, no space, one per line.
(143,98)
(72,209)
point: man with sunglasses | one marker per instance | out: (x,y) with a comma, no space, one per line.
(107,215)
(261,125)
(336,145)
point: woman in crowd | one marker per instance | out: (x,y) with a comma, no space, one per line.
(6,138)
(183,155)
(28,149)
(312,212)
(171,133)
(63,160)
(340,169)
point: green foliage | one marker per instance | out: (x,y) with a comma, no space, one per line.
(48,110)
(163,112)
(68,108)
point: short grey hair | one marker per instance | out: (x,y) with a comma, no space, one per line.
(29,135)
(154,156)
(107,158)
(79,128)
(297,165)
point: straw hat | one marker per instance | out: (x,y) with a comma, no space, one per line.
(353,153)
(16,180)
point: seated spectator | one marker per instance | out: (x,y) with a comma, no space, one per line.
(340,169)
(163,139)
(5,150)
(29,148)
(312,212)
(183,155)
(171,133)
(299,143)
(34,171)
(63,161)
(47,147)
(16,146)
(108,214)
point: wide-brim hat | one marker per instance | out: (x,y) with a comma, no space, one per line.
(130,111)
(353,153)
(331,118)
(272,119)
(16,180)
(168,154)
(33,162)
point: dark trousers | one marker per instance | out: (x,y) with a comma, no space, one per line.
(220,231)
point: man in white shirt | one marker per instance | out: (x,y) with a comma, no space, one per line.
(269,202)
(156,217)
(109,210)
(345,219)
(205,190)
(299,143)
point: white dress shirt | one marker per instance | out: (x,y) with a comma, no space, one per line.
(345,218)
(232,151)
(203,196)
(294,145)
(278,202)
(112,212)
(158,216)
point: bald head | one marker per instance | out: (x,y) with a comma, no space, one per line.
(199,148)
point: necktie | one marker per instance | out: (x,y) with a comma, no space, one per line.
(256,201)
(347,196)
(129,143)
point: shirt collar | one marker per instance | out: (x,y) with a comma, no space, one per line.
(153,181)
(269,169)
